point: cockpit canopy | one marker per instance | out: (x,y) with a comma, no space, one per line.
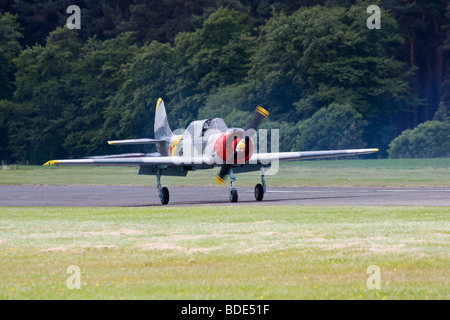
(197,129)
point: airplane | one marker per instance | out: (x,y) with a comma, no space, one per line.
(205,144)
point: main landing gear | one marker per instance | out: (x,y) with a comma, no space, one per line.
(163,191)
(260,188)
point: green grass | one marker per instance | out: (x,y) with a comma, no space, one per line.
(370,173)
(229,252)
(225,252)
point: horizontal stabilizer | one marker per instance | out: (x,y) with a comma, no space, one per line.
(136,141)
(123,155)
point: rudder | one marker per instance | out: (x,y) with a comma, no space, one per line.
(162,128)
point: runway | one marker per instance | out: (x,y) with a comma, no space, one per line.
(147,196)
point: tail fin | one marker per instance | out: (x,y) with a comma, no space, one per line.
(162,129)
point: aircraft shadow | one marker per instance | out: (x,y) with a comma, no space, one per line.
(295,200)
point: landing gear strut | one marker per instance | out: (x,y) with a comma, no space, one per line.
(163,191)
(233,189)
(260,189)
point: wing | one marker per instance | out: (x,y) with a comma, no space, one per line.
(129,161)
(201,161)
(136,141)
(306,155)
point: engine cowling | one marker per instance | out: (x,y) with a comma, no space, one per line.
(233,147)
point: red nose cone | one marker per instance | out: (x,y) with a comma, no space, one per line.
(225,147)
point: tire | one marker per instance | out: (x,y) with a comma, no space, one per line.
(165,195)
(259,192)
(233,196)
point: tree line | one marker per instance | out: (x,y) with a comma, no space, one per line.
(328,81)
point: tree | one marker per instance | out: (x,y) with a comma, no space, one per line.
(428,140)
(70,91)
(324,55)
(443,112)
(5,114)
(37,124)
(163,20)
(9,49)
(96,77)
(63,91)
(236,108)
(130,114)
(422,25)
(334,127)
(215,56)
(39,18)
(230,103)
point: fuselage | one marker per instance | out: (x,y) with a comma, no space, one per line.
(213,138)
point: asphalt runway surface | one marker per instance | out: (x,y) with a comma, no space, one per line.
(147,196)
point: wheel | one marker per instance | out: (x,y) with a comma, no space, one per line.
(259,192)
(233,196)
(164,195)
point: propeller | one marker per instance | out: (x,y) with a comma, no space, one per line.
(244,142)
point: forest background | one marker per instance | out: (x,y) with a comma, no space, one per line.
(328,80)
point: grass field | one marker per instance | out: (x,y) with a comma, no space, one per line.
(225,253)
(230,252)
(371,173)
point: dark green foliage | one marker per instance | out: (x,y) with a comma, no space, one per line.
(236,107)
(429,140)
(324,55)
(328,81)
(288,134)
(38,123)
(39,18)
(230,103)
(62,92)
(96,77)
(332,128)
(442,113)
(5,114)
(423,25)
(9,49)
(130,112)
(213,57)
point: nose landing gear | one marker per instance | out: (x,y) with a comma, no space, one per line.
(233,189)
(260,189)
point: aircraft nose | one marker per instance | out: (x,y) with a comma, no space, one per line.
(240,146)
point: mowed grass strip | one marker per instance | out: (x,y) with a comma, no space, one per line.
(369,173)
(225,252)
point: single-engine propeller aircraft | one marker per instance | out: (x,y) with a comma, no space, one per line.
(205,144)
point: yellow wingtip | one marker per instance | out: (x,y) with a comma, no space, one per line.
(262,111)
(219,180)
(51,162)
(376,150)
(111,143)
